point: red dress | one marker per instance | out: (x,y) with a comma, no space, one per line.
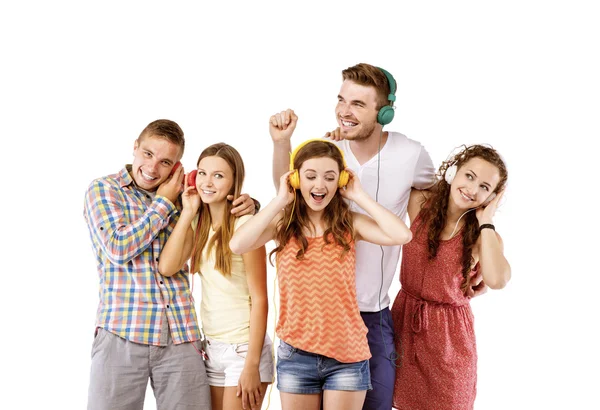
(433,324)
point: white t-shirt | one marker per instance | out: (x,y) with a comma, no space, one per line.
(403,163)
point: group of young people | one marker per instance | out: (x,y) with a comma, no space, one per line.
(337,223)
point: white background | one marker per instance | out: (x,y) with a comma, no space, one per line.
(80,80)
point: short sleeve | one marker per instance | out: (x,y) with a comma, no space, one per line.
(424,174)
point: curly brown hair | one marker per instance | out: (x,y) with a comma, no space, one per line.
(433,212)
(336,216)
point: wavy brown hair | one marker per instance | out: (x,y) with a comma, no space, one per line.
(220,240)
(336,216)
(433,212)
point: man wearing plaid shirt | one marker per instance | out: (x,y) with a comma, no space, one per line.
(146,325)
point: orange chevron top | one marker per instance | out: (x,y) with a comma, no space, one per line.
(319,312)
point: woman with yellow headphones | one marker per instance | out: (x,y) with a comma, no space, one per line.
(323,352)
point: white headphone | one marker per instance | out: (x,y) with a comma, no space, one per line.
(450,173)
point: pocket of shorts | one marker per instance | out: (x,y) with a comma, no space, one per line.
(285,351)
(242,350)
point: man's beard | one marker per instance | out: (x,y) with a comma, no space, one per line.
(363,135)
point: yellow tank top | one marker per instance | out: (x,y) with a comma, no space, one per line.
(225,305)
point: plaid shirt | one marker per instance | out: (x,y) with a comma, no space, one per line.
(128,230)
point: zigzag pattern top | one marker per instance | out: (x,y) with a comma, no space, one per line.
(319,312)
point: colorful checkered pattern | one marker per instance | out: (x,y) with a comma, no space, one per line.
(128,230)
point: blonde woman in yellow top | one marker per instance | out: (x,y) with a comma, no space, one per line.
(234,303)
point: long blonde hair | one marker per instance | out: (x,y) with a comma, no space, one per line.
(220,240)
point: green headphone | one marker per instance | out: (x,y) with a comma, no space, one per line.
(386,113)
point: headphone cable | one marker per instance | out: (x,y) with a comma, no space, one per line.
(392,356)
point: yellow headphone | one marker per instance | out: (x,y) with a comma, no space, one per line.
(295,177)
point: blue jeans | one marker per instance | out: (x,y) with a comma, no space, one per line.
(303,372)
(382,362)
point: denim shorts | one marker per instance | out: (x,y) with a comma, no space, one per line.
(303,372)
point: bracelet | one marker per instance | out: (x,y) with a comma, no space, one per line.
(490,226)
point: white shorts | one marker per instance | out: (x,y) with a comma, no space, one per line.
(226,361)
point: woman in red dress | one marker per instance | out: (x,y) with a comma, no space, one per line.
(454,246)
